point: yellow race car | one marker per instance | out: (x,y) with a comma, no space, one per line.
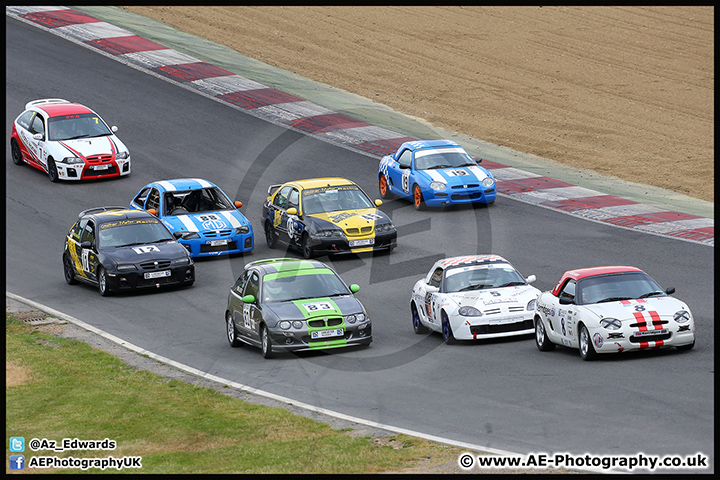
(326,216)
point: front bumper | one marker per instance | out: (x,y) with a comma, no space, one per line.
(83,171)
(224,245)
(329,246)
(119,281)
(459,196)
(627,339)
(295,341)
(477,328)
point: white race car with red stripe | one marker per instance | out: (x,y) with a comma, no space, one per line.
(68,141)
(611,309)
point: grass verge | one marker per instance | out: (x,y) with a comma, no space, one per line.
(60,388)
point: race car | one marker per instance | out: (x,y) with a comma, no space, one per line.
(611,309)
(199,214)
(473,297)
(115,249)
(435,173)
(284,304)
(326,216)
(68,141)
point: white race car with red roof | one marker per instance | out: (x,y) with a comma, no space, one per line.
(611,309)
(473,297)
(68,141)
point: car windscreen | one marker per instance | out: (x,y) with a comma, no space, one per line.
(123,233)
(70,127)
(618,287)
(182,202)
(331,199)
(481,277)
(442,158)
(285,286)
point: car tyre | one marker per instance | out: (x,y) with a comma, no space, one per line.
(418,201)
(102,282)
(52,171)
(231,331)
(541,339)
(447,330)
(417,324)
(69,271)
(265,342)
(384,188)
(270,238)
(587,350)
(16,153)
(306,250)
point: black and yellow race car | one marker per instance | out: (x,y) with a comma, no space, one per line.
(326,216)
(116,248)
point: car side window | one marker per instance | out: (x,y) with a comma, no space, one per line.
(281,199)
(253,285)
(139,200)
(77,229)
(37,125)
(25,119)
(88,233)
(293,198)
(405,159)
(153,200)
(568,291)
(240,283)
(436,277)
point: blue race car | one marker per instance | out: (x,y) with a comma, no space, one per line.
(435,173)
(199,215)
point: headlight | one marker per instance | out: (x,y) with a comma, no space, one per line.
(682,316)
(488,182)
(182,261)
(71,160)
(329,233)
(242,230)
(469,312)
(358,317)
(531,304)
(384,227)
(437,186)
(189,235)
(122,155)
(126,267)
(286,324)
(611,323)
(350,319)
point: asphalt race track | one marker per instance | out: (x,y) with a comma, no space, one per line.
(500,394)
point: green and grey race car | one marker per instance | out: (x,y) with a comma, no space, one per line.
(285,304)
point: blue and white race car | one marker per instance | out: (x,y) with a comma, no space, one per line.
(435,173)
(199,214)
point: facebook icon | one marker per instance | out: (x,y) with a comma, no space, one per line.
(17,462)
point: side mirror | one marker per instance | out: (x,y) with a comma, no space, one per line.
(114,129)
(567,301)
(431,289)
(178,235)
(354,288)
(238,204)
(248,299)
(86,244)
(531,279)
(292,211)
(38,136)
(152,211)
(670,290)
(378,202)
(478,160)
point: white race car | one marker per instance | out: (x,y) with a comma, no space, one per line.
(611,309)
(473,297)
(68,141)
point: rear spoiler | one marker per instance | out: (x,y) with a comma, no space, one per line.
(99,209)
(44,101)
